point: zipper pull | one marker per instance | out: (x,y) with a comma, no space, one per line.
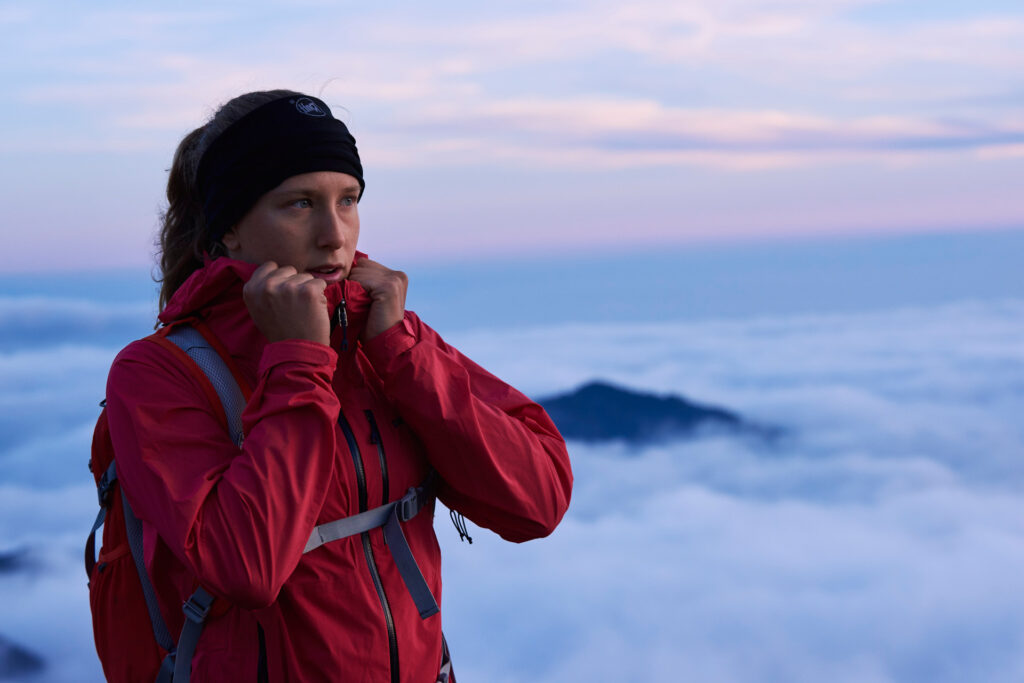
(341,318)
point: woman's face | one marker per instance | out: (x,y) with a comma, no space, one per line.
(310,222)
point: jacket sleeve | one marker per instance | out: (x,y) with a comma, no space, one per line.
(503,462)
(237,518)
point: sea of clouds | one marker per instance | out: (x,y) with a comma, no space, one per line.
(880,539)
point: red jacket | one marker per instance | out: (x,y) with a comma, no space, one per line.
(237,520)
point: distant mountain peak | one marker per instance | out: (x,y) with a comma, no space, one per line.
(17,662)
(602,411)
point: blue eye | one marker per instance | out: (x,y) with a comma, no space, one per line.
(348,201)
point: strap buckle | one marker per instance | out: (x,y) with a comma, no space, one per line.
(195,610)
(409,505)
(106,482)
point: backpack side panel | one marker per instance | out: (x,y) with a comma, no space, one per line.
(121,625)
(122,628)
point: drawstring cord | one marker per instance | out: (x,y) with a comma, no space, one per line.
(460,525)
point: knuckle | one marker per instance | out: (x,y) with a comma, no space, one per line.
(311,290)
(253,289)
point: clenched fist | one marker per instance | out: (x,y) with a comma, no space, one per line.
(287,304)
(387,290)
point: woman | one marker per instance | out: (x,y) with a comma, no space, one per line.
(354,401)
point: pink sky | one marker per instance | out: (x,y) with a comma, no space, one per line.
(516,128)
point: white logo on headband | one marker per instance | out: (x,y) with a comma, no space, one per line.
(309,107)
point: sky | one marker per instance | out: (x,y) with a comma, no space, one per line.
(506,130)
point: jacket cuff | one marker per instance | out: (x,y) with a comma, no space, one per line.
(390,343)
(297,351)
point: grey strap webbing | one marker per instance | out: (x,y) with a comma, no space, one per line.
(196,608)
(192,342)
(134,528)
(390,517)
(103,493)
(166,672)
(406,563)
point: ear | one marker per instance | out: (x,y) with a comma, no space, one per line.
(230,239)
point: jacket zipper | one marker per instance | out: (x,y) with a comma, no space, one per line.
(261,660)
(377,441)
(371,562)
(341,319)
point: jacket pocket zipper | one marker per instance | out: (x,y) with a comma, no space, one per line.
(371,561)
(377,441)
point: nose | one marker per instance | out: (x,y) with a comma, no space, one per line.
(332,230)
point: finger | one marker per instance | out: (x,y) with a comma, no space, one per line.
(284,272)
(365,274)
(368,265)
(278,276)
(363,278)
(295,277)
(305,281)
(263,271)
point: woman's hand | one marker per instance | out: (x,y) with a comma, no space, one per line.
(287,304)
(387,290)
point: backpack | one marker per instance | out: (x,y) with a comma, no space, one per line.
(132,639)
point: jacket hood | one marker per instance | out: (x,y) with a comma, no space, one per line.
(221,280)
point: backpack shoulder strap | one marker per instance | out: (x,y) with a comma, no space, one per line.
(133,528)
(209,359)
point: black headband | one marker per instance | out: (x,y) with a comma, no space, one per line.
(285,137)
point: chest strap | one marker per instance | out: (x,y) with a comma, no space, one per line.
(390,517)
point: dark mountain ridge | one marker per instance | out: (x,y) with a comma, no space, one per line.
(17,662)
(600,411)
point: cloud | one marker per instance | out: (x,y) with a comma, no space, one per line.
(881,541)
(730,589)
(939,384)
(408,76)
(48,406)
(619,133)
(31,322)
(885,530)
(54,357)
(47,610)
(688,122)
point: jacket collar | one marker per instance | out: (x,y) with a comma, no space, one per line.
(214,293)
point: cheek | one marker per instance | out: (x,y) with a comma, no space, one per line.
(261,238)
(283,243)
(355,229)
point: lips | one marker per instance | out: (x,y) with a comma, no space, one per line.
(327,272)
